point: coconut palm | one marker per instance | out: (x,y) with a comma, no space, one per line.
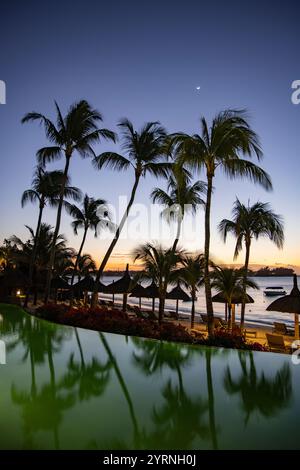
(221,146)
(161,266)
(85,266)
(229,282)
(251,223)
(75,132)
(63,254)
(94,216)
(181,197)
(192,274)
(45,190)
(145,154)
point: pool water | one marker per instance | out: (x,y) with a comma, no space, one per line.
(67,388)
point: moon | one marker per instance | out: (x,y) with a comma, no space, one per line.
(198,88)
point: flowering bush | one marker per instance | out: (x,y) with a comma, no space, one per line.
(116,321)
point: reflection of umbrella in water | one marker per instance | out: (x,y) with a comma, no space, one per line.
(178,294)
(139,291)
(235,299)
(122,286)
(152,292)
(289,304)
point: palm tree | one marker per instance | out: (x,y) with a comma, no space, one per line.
(229,282)
(45,189)
(76,132)
(181,196)
(221,147)
(85,266)
(160,265)
(192,274)
(145,155)
(248,223)
(93,215)
(63,254)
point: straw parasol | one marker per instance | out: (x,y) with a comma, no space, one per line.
(237,298)
(138,292)
(178,294)
(122,286)
(289,304)
(59,283)
(152,292)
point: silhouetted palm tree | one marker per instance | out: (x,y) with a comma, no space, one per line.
(93,215)
(160,265)
(45,190)
(221,147)
(229,283)
(251,223)
(145,152)
(181,197)
(75,132)
(192,274)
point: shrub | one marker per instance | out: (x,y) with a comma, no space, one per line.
(51,311)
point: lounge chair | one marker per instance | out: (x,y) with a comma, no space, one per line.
(281,328)
(197,334)
(250,333)
(276,343)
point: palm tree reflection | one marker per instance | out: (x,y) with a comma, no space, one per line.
(257,392)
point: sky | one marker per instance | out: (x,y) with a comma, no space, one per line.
(145,61)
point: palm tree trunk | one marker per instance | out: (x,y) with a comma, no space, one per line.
(56,231)
(124,307)
(246,267)
(115,239)
(209,304)
(193,310)
(179,223)
(78,256)
(34,251)
(161,309)
(76,265)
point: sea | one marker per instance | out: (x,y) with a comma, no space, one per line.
(256,313)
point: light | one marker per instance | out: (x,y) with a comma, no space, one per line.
(18,292)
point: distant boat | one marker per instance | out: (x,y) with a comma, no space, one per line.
(274,291)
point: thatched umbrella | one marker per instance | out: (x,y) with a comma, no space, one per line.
(87,285)
(236,299)
(178,294)
(289,304)
(152,292)
(138,292)
(58,283)
(121,286)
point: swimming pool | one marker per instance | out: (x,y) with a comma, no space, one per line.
(67,388)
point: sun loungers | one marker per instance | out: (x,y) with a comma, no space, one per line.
(281,328)
(276,343)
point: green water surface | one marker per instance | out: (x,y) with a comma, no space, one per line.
(67,388)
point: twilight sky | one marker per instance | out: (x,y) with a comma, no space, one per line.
(144,60)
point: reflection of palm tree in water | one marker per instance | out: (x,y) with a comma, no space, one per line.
(155,355)
(178,421)
(211,398)
(123,387)
(41,409)
(91,379)
(257,392)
